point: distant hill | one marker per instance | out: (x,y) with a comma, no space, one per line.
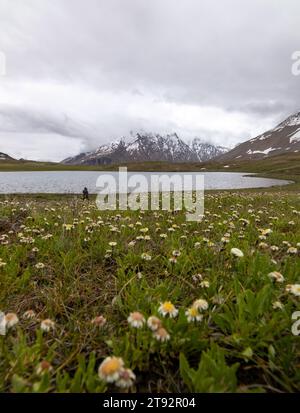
(149,147)
(284,138)
(5,157)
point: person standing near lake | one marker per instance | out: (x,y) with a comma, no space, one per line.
(85,194)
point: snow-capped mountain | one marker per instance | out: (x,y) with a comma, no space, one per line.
(149,147)
(284,138)
(206,151)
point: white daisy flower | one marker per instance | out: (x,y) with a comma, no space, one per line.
(161,335)
(295,289)
(200,304)
(110,369)
(276,276)
(47,325)
(167,308)
(126,378)
(136,319)
(154,323)
(11,319)
(236,252)
(192,314)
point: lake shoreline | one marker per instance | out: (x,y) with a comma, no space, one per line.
(72,182)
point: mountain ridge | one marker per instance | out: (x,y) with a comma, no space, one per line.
(149,147)
(283,138)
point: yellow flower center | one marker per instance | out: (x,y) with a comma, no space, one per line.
(168,307)
(193,312)
(111,366)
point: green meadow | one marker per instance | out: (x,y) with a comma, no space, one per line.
(141,301)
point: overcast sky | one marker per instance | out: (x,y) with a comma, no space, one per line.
(80,73)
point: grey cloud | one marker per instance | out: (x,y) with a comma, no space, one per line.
(229,55)
(17,120)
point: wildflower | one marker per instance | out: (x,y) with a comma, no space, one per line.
(204,284)
(136,319)
(146,257)
(267,231)
(176,253)
(200,304)
(295,289)
(29,314)
(167,308)
(274,248)
(276,276)
(236,252)
(154,323)
(39,265)
(161,334)
(43,367)
(68,227)
(173,260)
(197,277)
(126,378)
(292,250)
(11,319)
(99,321)
(47,325)
(110,369)
(192,314)
(277,304)
(112,244)
(263,245)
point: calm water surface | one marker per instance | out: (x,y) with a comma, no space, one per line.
(74,181)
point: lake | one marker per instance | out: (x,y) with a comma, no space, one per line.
(74,181)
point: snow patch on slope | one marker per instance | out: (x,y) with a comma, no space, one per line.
(295,137)
(265,152)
